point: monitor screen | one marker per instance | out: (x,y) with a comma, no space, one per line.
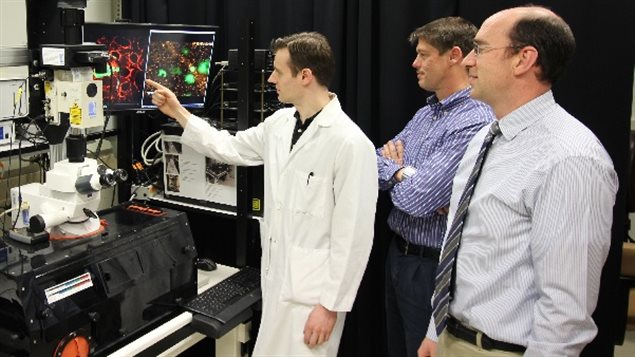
(177,56)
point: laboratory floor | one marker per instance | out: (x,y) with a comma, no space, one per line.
(628,348)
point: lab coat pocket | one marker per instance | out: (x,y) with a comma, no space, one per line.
(309,194)
(306,272)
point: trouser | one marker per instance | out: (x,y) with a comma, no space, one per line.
(409,288)
(450,346)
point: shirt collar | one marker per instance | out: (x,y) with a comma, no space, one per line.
(524,116)
(307,121)
(452,100)
(327,112)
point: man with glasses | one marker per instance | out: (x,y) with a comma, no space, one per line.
(534,224)
(417,167)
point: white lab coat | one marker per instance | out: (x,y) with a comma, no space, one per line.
(318,224)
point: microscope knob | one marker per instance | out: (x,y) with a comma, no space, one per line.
(121,175)
(37,224)
(107,180)
(102,169)
(91,90)
(89,213)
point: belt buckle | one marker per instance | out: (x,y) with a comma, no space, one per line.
(483,341)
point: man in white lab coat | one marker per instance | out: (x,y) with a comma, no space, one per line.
(321,189)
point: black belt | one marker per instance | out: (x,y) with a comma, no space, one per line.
(487,343)
(408,248)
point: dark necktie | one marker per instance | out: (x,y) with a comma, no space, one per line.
(441,297)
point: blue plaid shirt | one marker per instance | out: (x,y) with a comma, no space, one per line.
(434,141)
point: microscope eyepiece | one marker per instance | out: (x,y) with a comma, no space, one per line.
(120,175)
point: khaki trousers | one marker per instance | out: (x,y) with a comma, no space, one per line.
(450,346)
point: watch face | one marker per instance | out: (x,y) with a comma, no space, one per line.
(408,171)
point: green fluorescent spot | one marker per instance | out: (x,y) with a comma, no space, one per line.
(190,79)
(175,71)
(203,67)
(185,51)
(162,73)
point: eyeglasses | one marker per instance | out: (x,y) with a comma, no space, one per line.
(479,50)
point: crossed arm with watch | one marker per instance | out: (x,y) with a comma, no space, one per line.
(394,151)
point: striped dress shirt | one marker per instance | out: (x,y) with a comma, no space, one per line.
(537,232)
(434,140)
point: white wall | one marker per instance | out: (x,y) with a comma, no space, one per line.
(13,31)
(13,24)
(99,10)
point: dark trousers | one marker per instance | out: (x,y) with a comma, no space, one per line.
(409,288)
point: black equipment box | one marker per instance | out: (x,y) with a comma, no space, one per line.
(100,292)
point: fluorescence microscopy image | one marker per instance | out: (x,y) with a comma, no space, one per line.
(123,80)
(181,62)
(177,56)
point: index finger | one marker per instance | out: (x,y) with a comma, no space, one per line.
(384,152)
(154,84)
(391,147)
(399,147)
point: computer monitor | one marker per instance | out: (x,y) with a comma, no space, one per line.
(177,56)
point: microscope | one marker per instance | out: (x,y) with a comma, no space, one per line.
(72,282)
(64,207)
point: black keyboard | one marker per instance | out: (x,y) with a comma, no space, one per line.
(230,297)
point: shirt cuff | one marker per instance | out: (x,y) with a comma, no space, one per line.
(432,331)
(388,173)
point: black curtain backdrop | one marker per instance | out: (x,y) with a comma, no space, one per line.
(378,89)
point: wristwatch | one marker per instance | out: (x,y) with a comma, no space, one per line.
(407,172)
